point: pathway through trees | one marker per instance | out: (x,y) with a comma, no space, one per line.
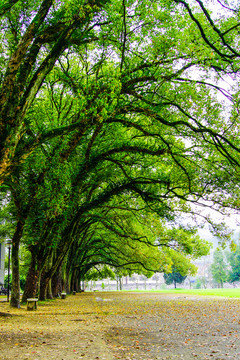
(127,326)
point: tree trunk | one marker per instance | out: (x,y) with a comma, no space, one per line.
(49,290)
(120,283)
(74,280)
(67,285)
(71,283)
(15,291)
(57,283)
(77,282)
(44,282)
(31,286)
(64,285)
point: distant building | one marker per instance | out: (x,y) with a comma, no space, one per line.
(2,259)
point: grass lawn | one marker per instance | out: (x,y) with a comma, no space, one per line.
(214,292)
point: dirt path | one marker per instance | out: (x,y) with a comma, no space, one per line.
(62,329)
(156,326)
(127,326)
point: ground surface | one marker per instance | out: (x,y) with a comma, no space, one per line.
(127,326)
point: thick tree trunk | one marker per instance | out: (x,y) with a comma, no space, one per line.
(31,286)
(49,290)
(44,282)
(57,283)
(74,280)
(15,291)
(76,287)
(77,282)
(67,286)
(63,284)
(72,287)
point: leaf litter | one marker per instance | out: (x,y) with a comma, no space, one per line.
(126,326)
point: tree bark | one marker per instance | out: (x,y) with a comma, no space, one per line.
(49,294)
(57,283)
(15,291)
(31,285)
(44,282)
(77,281)
(67,285)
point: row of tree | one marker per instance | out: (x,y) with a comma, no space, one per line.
(226,266)
(116,125)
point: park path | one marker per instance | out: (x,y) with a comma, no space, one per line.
(158,326)
(68,329)
(127,326)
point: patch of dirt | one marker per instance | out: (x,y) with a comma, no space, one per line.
(126,326)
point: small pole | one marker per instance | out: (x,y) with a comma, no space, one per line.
(9,251)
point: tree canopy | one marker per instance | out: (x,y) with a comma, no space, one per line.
(116,120)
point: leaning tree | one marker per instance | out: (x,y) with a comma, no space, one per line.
(133,90)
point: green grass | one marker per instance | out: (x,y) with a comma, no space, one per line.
(204,292)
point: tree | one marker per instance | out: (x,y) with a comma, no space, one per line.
(219,267)
(34,34)
(233,258)
(201,282)
(174,277)
(33,47)
(139,130)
